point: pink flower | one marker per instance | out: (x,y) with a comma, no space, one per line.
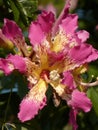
(57,56)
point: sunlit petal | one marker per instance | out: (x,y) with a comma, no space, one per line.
(33,102)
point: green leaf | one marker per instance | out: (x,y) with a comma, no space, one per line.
(1,2)
(94,98)
(2,103)
(21,11)
(1,73)
(15,10)
(93,70)
(30,6)
(11,125)
(22,86)
(7,82)
(23,126)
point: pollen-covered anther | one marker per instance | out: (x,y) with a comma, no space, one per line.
(54,75)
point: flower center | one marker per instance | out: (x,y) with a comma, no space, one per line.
(54,75)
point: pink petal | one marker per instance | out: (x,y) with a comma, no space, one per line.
(41,27)
(11,63)
(72,119)
(33,102)
(93,56)
(11,30)
(70,24)
(83,53)
(50,8)
(83,35)
(68,80)
(36,34)
(5,42)
(18,62)
(5,66)
(29,108)
(62,16)
(55,57)
(80,101)
(46,20)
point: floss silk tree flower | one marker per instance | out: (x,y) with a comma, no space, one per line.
(57,56)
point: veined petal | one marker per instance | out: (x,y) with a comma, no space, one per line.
(18,62)
(33,102)
(11,30)
(83,53)
(55,57)
(69,24)
(83,35)
(40,28)
(80,101)
(72,118)
(68,80)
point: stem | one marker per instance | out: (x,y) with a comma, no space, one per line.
(2,127)
(89,84)
(7,105)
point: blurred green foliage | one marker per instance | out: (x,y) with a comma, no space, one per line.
(50,118)
(21,11)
